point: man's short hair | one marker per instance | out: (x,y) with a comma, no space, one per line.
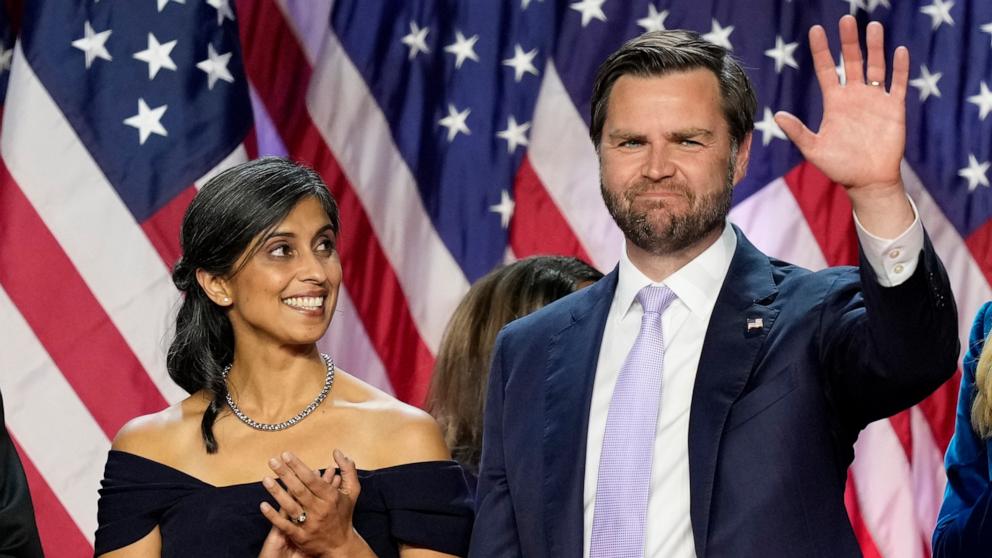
(658,53)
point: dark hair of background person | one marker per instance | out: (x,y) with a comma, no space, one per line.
(218,235)
(658,53)
(458,386)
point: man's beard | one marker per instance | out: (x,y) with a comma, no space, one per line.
(681,230)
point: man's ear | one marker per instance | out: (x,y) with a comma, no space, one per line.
(215,286)
(743,158)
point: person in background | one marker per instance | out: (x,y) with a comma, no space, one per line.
(458,386)
(228,471)
(18,531)
(964,526)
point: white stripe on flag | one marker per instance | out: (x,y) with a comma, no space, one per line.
(68,196)
(348,343)
(773,222)
(354,127)
(968,282)
(929,478)
(50,422)
(885,491)
(239,155)
(564,159)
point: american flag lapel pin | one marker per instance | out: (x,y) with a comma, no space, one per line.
(755,324)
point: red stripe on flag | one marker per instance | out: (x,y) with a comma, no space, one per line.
(827,209)
(281,77)
(538,226)
(69,322)
(861,531)
(251,143)
(979,242)
(162,228)
(939,410)
(60,536)
(902,426)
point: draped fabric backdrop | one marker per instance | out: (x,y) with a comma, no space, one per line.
(454,136)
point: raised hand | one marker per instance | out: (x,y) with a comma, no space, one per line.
(862,137)
(315,512)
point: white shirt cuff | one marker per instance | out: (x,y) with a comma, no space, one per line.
(894,261)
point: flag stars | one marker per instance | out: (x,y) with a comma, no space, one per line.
(455,122)
(157,55)
(147,121)
(975,173)
(783,54)
(987,28)
(463,49)
(927,83)
(768,128)
(521,62)
(590,10)
(162,3)
(223,8)
(655,20)
(720,35)
(416,40)
(872,4)
(855,5)
(504,208)
(983,100)
(939,12)
(93,44)
(216,67)
(514,134)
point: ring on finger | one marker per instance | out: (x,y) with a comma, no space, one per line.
(300,518)
(874,83)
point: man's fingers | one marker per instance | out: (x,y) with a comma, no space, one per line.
(823,61)
(850,48)
(875,39)
(796,131)
(900,73)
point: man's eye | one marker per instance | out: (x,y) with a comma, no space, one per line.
(631,143)
(691,143)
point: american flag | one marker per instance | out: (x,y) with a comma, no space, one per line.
(454,136)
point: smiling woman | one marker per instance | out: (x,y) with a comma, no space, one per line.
(228,471)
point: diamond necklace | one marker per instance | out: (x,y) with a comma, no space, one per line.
(270,427)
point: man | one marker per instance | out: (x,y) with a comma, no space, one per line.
(18,532)
(703,399)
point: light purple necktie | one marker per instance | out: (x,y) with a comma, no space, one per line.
(628,445)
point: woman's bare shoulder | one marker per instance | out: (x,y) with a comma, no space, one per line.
(158,435)
(405,433)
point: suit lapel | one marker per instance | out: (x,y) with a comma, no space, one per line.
(740,320)
(569,373)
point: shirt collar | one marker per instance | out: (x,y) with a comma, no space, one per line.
(696,284)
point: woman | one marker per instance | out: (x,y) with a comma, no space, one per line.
(964,526)
(461,372)
(260,276)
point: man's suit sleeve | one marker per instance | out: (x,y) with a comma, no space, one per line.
(18,531)
(495,531)
(886,348)
(964,526)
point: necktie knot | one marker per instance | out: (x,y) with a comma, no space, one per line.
(655,300)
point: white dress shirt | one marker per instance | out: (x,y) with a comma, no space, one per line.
(669,532)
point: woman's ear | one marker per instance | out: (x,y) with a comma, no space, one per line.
(215,286)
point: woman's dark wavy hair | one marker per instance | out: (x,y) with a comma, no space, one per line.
(461,372)
(220,228)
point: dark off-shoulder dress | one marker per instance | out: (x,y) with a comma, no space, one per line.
(421,504)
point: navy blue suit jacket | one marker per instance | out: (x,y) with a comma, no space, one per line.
(774,414)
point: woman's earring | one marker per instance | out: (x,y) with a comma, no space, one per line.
(227,300)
